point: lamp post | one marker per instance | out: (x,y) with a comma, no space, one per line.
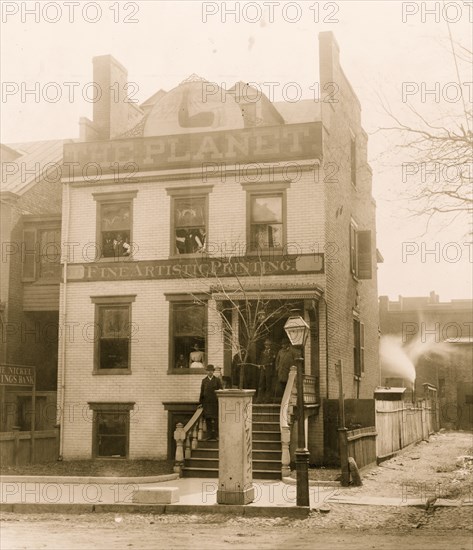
(297,331)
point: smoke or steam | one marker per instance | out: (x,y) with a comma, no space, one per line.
(398,361)
(395,362)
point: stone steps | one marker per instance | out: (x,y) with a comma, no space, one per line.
(266,448)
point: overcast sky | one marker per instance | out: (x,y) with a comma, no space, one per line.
(382,43)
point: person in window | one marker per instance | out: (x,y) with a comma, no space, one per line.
(209,402)
(126,247)
(196,358)
(118,245)
(266,373)
(181,362)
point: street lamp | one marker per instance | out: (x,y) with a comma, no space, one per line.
(297,331)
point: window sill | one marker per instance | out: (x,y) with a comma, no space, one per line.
(186,371)
(190,255)
(266,252)
(110,457)
(114,259)
(102,372)
(357,377)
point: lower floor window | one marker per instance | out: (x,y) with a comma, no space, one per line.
(111,429)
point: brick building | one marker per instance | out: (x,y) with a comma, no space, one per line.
(438,337)
(170,206)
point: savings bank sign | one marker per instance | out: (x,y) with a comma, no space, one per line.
(290,142)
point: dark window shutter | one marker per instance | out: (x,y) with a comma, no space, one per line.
(353,249)
(364,255)
(28,254)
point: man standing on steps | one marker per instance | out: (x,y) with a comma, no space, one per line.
(285,359)
(209,401)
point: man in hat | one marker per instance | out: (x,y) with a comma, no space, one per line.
(267,373)
(209,401)
(285,359)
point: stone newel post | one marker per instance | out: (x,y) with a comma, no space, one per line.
(235,471)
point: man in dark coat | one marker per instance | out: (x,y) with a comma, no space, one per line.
(267,373)
(209,401)
(285,359)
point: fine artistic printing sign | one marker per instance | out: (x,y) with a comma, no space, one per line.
(191,268)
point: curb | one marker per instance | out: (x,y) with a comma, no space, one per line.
(88,479)
(296,512)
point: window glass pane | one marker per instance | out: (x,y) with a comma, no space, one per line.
(113,354)
(266,236)
(114,322)
(266,209)
(115,216)
(189,212)
(50,253)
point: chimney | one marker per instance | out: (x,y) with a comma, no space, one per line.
(383,303)
(329,59)
(113,113)
(434,298)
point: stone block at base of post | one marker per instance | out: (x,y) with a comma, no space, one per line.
(235,455)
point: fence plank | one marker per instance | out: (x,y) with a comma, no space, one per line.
(15,447)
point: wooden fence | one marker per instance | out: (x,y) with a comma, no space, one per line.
(400,424)
(362,445)
(15,447)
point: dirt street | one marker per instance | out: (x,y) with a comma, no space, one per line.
(426,471)
(212,533)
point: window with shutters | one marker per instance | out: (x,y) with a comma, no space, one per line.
(114,224)
(360,253)
(358,347)
(112,337)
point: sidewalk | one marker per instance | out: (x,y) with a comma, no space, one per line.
(82,495)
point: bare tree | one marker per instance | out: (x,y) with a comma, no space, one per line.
(441,153)
(240,291)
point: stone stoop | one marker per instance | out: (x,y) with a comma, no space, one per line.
(266,448)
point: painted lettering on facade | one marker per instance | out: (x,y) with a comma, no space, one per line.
(291,142)
(194,268)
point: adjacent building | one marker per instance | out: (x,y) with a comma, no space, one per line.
(438,338)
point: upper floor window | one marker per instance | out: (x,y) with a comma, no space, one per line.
(114,224)
(266,221)
(41,252)
(113,334)
(189,219)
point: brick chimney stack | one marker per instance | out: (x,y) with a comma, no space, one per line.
(114,111)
